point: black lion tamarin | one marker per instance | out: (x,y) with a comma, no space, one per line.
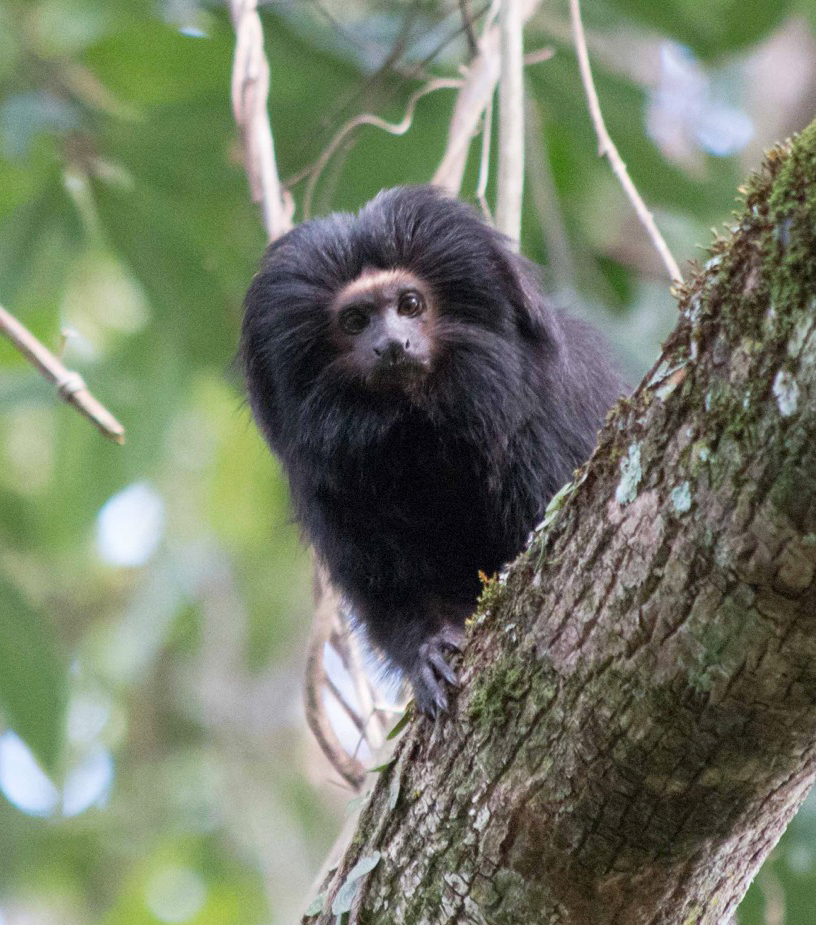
(426,402)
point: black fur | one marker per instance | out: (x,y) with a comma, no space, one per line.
(407,497)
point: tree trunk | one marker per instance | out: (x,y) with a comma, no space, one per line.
(637,719)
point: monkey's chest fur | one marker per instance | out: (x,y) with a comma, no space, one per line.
(418,514)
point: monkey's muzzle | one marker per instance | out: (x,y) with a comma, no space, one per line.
(397,367)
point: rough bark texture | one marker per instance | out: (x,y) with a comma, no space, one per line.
(637,722)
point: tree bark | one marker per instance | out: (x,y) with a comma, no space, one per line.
(637,719)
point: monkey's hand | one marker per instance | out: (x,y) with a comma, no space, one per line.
(430,671)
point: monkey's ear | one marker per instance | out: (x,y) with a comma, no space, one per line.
(533,314)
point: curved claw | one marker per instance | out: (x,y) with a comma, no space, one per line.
(431,670)
(443,669)
(429,693)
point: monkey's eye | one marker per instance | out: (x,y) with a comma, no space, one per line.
(410,304)
(353,320)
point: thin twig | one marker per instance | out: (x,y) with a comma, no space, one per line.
(539,55)
(471,101)
(70,385)
(477,90)
(372,726)
(606,147)
(369,85)
(326,606)
(393,128)
(346,645)
(250,88)
(348,709)
(484,162)
(346,34)
(467,22)
(510,185)
(417,71)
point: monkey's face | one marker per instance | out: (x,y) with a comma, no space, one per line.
(382,327)
(414,298)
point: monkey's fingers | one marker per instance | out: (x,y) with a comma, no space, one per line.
(429,692)
(442,668)
(431,671)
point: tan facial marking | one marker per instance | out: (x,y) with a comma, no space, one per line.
(376,281)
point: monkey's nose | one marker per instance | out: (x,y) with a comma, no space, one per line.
(391,351)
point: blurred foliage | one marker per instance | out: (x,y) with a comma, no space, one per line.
(710,29)
(32,680)
(154,600)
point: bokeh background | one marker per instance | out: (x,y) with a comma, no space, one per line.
(154,598)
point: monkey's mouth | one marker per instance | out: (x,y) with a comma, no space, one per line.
(405,373)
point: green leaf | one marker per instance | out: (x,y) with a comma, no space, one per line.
(32,677)
(394,792)
(353,805)
(364,866)
(152,62)
(382,767)
(555,505)
(402,722)
(38,241)
(344,899)
(315,907)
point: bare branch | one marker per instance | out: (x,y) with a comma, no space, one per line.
(510,187)
(70,385)
(250,88)
(606,147)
